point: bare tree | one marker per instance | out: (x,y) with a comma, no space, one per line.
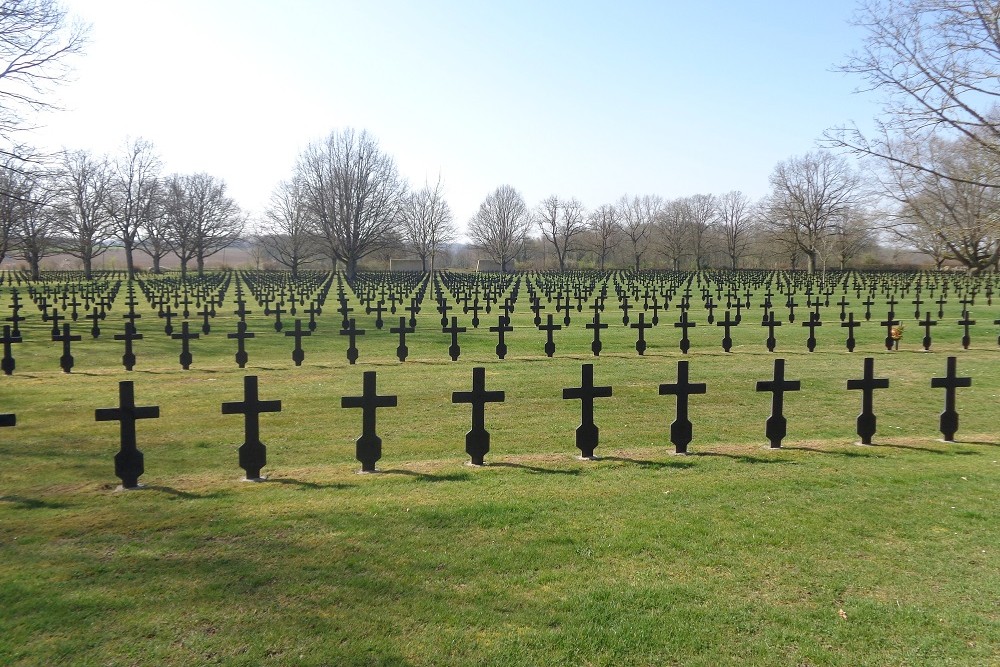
(636,215)
(34,227)
(936,63)
(560,221)
(671,232)
(288,236)
(155,223)
(82,185)
(701,219)
(603,232)
(354,194)
(202,218)
(809,194)
(132,196)
(853,234)
(14,190)
(948,205)
(37,41)
(736,223)
(428,224)
(501,225)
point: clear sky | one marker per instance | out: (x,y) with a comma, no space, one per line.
(585,99)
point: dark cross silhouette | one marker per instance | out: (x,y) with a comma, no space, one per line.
(596,325)
(379,309)
(454,350)
(253,452)
(889,323)
(587,432)
(55,318)
(241,334)
(727,339)
(352,332)
(625,307)
(812,323)
(776,425)
(443,308)
(843,303)
(185,336)
(168,315)
(917,302)
(503,326)
(868,303)
(641,325)
(770,323)
(128,460)
(477,440)
(206,313)
(949,418)
(680,428)
(66,360)
(95,316)
(537,308)
(998,337)
(312,311)
(128,359)
(369,446)
(850,325)
(9,338)
(868,384)
(277,315)
(966,322)
(298,355)
(401,350)
(927,323)
(550,344)
(684,325)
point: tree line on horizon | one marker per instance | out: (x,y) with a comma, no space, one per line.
(928,180)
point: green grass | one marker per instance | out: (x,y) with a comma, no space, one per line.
(821,553)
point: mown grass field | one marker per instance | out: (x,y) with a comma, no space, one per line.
(821,553)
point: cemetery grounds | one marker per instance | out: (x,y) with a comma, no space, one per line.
(822,552)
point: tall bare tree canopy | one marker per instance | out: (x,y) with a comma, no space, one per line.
(603,232)
(202,218)
(501,225)
(810,195)
(133,194)
(287,236)
(37,40)
(945,212)
(561,222)
(354,194)
(736,224)
(428,224)
(82,186)
(936,63)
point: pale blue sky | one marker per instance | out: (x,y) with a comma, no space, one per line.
(585,99)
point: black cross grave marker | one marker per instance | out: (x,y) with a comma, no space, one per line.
(185,336)
(966,322)
(949,418)
(776,425)
(503,326)
(770,323)
(128,460)
(454,350)
(927,323)
(298,355)
(851,324)
(812,323)
(252,453)
(477,440)
(352,332)
(548,328)
(681,429)
(369,446)
(641,325)
(128,359)
(868,384)
(7,363)
(240,335)
(684,325)
(727,339)
(587,432)
(66,360)
(596,325)
(401,350)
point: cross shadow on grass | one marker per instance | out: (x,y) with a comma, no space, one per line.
(22,503)
(427,477)
(929,450)
(544,471)
(306,485)
(847,453)
(746,458)
(657,465)
(177,493)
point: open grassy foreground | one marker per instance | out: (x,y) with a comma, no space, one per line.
(822,553)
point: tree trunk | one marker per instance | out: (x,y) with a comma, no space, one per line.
(87,264)
(129,261)
(200,263)
(184,268)
(36,273)
(811,266)
(352,267)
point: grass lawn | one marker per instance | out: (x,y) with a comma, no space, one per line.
(824,552)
